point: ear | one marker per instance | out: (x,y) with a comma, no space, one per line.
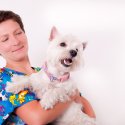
(53,33)
(84,45)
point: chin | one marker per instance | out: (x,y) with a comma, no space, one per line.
(20,57)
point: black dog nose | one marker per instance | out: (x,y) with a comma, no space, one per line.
(73,53)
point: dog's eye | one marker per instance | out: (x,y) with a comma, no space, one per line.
(63,44)
(77,50)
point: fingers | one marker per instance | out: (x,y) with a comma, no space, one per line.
(76,96)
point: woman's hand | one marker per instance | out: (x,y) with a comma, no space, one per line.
(76,97)
(87,107)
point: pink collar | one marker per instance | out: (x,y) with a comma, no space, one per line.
(53,78)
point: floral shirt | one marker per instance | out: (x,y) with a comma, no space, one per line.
(9,101)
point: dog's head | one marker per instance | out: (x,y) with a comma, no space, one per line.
(64,52)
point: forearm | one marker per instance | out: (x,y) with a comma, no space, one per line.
(87,107)
(32,113)
(52,114)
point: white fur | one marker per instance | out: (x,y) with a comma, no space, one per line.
(51,93)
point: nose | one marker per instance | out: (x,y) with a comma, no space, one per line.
(73,53)
(14,40)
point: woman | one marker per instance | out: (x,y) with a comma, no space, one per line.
(24,107)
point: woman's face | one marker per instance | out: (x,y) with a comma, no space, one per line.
(13,41)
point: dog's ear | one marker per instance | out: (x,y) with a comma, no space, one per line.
(84,45)
(54,32)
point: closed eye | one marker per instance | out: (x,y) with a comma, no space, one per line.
(4,39)
(18,33)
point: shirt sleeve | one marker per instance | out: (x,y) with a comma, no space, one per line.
(9,101)
(5,109)
(14,101)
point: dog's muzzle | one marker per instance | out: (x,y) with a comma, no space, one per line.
(67,62)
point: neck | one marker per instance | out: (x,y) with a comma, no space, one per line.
(21,66)
(54,74)
(53,70)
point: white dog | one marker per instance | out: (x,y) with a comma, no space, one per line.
(52,84)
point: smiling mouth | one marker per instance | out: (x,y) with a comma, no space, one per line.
(67,62)
(18,49)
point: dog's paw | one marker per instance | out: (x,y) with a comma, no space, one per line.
(45,104)
(49,99)
(62,95)
(12,88)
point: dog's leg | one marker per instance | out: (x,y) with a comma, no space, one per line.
(18,83)
(52,96)
(75,116)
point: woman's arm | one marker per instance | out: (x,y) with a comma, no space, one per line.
(87,107)
(33,114)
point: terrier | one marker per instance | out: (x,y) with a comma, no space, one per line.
(52,84)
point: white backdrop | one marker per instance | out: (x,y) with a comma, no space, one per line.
(102,24)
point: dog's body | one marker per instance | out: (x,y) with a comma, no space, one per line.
(52,83)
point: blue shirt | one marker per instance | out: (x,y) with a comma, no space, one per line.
(9,101)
